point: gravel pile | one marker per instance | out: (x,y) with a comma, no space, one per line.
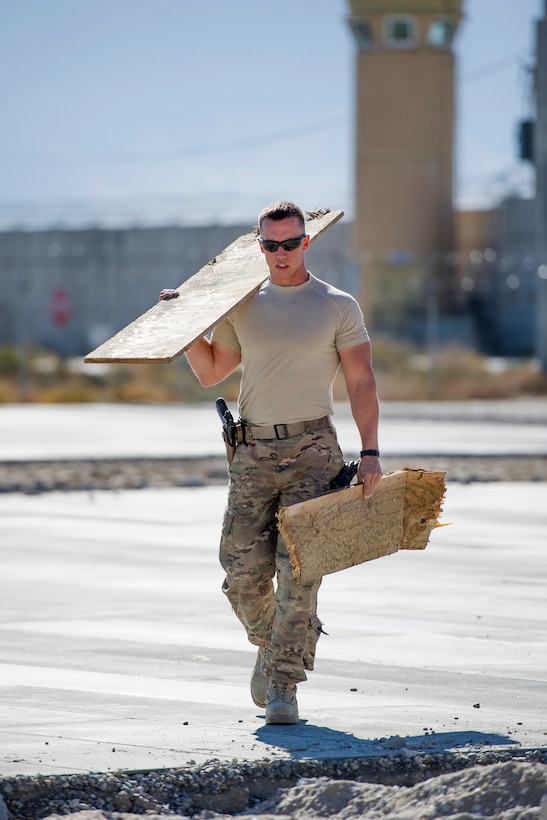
(233,788)
(122,474)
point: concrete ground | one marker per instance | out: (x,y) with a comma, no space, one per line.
(118,650)
(31,432)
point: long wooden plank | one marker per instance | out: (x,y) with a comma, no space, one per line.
(170,327)
(341,529)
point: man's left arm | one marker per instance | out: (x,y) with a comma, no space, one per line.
(361,386)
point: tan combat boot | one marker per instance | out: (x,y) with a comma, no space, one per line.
(281,706)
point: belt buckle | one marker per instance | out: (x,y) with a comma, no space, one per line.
(285,431)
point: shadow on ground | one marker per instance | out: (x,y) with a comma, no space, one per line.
(305,740)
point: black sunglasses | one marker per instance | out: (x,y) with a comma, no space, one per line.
(271,245)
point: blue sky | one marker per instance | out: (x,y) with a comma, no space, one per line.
(207,109)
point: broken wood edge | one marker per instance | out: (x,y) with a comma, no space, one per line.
(416,533)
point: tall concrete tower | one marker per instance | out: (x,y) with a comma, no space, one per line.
(404,148)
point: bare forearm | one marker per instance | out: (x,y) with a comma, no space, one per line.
(361,387)
(364,406)
(365,410)
(211,362)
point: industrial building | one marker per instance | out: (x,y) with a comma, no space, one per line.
(417,266)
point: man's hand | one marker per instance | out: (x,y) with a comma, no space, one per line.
(369,474)
(168,293)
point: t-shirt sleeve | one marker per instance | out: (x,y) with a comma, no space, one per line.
(351,330)
(224,333)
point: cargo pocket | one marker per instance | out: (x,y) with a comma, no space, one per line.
(334,461)
(315,628)
(226,550)
(227,523)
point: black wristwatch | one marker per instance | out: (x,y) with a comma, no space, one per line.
(375,453)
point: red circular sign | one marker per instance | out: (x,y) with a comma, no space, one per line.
(59,308)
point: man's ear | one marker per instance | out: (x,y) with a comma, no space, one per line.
(306,242)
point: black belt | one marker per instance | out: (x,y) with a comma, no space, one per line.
(255,432)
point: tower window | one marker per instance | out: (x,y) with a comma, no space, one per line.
(362,33)
(441,33)
(400,31)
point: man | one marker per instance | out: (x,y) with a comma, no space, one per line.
(290,339)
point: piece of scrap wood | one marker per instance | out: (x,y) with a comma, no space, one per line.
(343,528)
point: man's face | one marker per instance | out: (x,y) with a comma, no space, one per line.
(286,267)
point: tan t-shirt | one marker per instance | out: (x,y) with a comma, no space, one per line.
(289,338)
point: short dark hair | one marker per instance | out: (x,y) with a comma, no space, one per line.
(280,210)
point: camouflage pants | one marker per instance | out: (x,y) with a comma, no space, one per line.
(265,475)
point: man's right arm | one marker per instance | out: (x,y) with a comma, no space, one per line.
(211,361)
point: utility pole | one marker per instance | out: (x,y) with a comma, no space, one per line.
(540,161)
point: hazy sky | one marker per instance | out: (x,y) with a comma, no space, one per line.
(211,108)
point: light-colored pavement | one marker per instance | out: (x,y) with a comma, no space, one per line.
(29,432)
(118,650)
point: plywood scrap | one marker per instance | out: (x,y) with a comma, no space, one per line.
(170,327)
(343,528)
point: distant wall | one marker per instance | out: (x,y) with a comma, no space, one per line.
(515,284)
(498,275)
(69,291)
